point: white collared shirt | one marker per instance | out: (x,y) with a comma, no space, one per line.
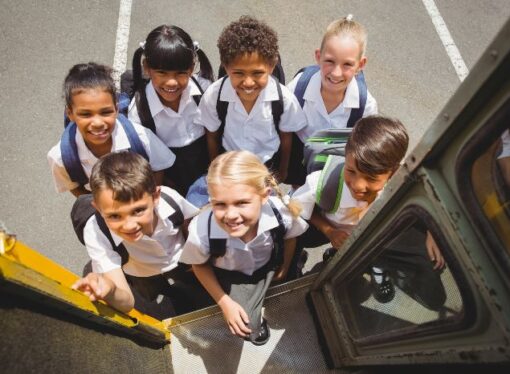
(315,110)
(239,256)
(349,212)
(175,129)
(254,132)
(151,255)
(160,157)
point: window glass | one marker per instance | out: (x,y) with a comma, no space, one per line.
(409,286)
(490,178)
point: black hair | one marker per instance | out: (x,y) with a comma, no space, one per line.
(169,48)
(88,76)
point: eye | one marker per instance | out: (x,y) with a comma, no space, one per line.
(183,73)
(139,211)
(107,112)
(113,217)
(237,74)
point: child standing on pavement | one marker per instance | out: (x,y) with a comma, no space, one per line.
(249,109)
(327,92)
(243,241)
(91,105)
(168,103)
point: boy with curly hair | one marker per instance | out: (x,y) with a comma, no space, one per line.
(249,109)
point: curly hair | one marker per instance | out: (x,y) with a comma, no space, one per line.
(248,35)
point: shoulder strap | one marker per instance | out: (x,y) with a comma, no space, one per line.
(197,98)
(177,217)
(120,249)
(123,101)
(277,107)
(331,181)
(134,139)
(217,247)
(144,112)
(70,157)
(221,108)
(277,234)
(303,81)
(357,113)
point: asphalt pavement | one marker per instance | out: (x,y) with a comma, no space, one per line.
(408,72)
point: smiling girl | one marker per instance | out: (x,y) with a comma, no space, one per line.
(243,241)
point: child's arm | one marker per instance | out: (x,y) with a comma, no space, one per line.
(213,144)
(434,252)
(285,147)
(234,314)
(335,235)
(80,190)
(111,287)
(289,246)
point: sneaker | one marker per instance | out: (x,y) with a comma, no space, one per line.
(383,290)
(328,254)
(264,334)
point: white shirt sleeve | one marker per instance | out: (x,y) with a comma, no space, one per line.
(99,248)
(305,194)
(133,115)
(370,106)
(293,83)
(160,156)
(194,251)
(61,179)
(207,114)
(188,210)
(293,118)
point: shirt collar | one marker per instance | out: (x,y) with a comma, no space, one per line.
(313,90)
(351,99)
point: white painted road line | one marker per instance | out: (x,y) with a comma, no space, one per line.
(121,42)
(446,39)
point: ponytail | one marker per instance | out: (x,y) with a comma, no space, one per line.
(206,70)
(138,81)
(292,205)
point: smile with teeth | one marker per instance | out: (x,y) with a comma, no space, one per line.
(170,90)
(102,132)
(335,81)
(248,90)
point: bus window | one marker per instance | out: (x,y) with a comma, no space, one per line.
(409,286)
(490,178)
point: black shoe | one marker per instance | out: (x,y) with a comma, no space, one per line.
(264,334)
(384,291)
(328,254)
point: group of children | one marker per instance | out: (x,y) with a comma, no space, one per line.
(150,247)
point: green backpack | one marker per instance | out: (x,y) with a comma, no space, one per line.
(331,181)
(321,144)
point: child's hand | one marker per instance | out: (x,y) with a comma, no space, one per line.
(434,252)
(336,236)
(95,286)
(235,316)
(280,273)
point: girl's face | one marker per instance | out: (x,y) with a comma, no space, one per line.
(169,84)
(339,61)
(249,74)
(236,208)
(363,187)
(94,112)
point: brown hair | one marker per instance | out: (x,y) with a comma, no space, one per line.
(128,175)
(378,144)
(248,35)
(243,167)
(346,26)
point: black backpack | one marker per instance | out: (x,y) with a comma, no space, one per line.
(82,211)
(218,247)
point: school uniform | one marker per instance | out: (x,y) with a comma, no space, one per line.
(319,119)
(178,130)
(160,157)
(245,271)
(153,260)
(254,132)
(505,145)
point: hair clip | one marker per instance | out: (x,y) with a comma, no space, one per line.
(196,46)
(286,199)
(142,45)
(349,17)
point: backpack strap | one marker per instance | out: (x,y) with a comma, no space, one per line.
(221,108)
(70,157)
(303,81)
(197,98)
(277,107)
(217,247)
(134,140)
(177,217)
(331,181)
(357,113)
(144,112)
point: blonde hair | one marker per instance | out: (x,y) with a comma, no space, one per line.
(243,167)
(346,26)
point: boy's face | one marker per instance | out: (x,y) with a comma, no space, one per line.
(236,208)
(129,220)
(339,61)
(94,112)
(363,187)
(249,74)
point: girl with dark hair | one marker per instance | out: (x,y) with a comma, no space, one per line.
(168,102)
